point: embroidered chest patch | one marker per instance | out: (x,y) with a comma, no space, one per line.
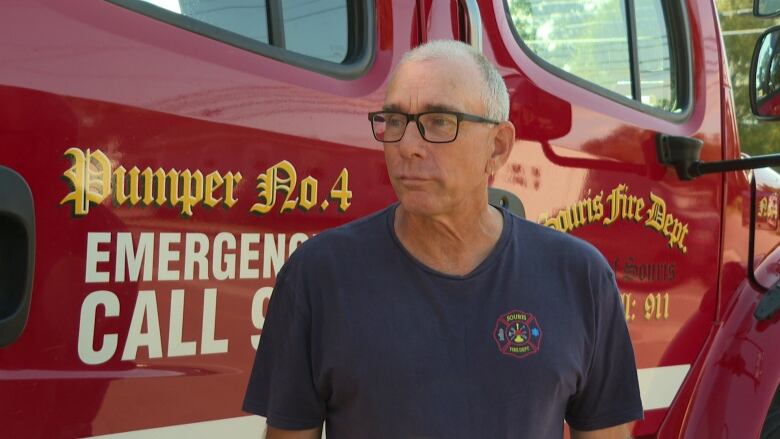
(518,334)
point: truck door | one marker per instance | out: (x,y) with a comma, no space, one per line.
(592,86)
(177,152)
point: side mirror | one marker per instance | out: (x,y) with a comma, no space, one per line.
(764,85)
(766,8)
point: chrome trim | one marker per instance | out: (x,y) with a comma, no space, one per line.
(475,23)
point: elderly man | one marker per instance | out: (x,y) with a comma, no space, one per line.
(442,316)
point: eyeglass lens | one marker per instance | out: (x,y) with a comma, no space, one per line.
(434,127)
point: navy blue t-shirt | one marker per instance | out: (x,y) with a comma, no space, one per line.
(362,335)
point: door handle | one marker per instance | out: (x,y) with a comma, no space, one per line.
(17,254)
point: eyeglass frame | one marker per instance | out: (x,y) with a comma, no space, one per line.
(416,118)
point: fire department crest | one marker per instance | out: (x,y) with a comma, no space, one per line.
(518,334)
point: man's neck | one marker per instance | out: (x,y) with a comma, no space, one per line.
(454,244)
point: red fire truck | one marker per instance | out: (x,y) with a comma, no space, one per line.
(161,159)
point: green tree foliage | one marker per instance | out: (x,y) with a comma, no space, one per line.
(741,31)
(587,39)
(590,40)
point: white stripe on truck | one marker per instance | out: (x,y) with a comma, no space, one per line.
(238,428)
(659,385)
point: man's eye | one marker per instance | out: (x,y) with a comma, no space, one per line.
(441,121)
(394,121)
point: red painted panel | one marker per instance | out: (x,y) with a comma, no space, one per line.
(740,375)
(92,75)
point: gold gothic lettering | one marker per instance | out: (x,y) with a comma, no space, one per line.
(94,180)
(621,205)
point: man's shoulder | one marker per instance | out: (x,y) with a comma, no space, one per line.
(346,240)
(554,255)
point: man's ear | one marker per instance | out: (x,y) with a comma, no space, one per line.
(503,141)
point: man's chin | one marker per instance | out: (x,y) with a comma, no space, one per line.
(419,203)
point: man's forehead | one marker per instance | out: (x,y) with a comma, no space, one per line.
(433,85)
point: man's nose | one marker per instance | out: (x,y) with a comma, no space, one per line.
(412,144)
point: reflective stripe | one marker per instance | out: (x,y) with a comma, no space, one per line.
(659,385)
(243,427)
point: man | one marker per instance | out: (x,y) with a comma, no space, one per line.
(441,316)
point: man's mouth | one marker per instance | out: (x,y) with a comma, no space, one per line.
(408,177)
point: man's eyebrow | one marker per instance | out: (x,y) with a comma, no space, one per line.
(391,107)
(440,107)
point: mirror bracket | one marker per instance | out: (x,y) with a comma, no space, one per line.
(683,154)
(680,152)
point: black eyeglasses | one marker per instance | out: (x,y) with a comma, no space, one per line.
(434,126)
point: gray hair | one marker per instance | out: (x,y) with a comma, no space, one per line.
(494,93)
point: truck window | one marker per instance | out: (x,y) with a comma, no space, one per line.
(321,30)
(655,70)
(600,42)
(588,40)
(314,28)
(244,17)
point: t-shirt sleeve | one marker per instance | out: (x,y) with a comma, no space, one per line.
(609,395)
(281,386)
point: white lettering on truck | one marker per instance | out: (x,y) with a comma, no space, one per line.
(87,352)
(132,257)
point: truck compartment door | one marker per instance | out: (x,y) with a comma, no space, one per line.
(17,254)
